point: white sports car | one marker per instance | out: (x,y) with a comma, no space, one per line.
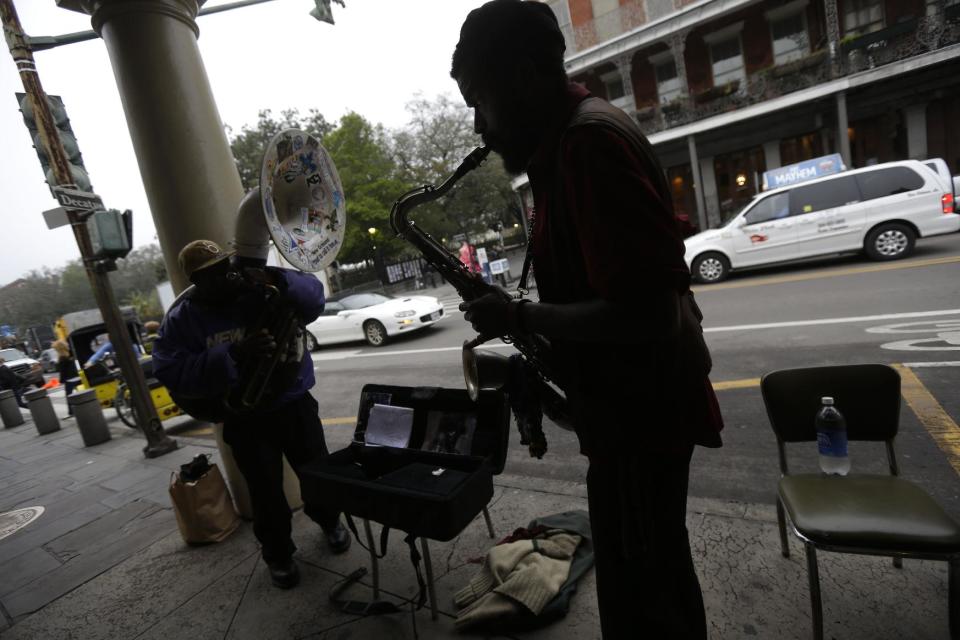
(372,317)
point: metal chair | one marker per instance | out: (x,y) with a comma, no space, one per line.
(881,515)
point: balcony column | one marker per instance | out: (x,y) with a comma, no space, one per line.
(625,67)
(833,35)
(678,44)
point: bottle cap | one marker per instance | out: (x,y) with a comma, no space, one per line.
(827,400)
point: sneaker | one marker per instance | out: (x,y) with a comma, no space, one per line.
(284,573)
(338,538)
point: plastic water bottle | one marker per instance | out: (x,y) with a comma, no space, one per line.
(832,439)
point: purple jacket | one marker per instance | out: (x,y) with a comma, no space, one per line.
(191,354)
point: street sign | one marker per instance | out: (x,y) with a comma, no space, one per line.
(78,200)
(56,218)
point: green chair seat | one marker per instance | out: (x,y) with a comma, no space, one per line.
(868,512)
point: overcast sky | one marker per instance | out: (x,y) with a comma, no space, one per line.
(274,55)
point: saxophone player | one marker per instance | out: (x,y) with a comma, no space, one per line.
(203,344)
(614,303)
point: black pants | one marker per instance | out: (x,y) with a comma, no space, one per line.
(259,441)
(70,386)
(646,583)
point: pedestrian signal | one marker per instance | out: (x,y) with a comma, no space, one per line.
(67,139)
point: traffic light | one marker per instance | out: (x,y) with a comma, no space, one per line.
(69,141)
(111,233)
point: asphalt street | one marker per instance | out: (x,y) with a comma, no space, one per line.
(842,310)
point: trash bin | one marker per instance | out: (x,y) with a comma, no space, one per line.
(41,410)
(89,416)
(10,410)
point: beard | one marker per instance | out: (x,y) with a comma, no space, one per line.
(517,141)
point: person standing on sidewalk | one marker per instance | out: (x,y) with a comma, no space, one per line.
(10,379)
(614,302)
(202,344)
(67,371)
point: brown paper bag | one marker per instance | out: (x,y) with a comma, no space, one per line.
(204,509)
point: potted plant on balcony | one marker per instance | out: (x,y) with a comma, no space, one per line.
(800,64)
(718,91)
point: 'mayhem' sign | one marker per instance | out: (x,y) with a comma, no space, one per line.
(802,171)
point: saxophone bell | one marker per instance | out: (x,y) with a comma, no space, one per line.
(483,369)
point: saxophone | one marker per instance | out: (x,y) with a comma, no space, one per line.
(527,377)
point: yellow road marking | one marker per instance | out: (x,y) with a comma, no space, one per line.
(889,266)
(935,420)
(736,384)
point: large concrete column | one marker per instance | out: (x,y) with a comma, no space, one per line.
(711,198)
(185,161)
(188,171)
(771,154)
(843,139)
(916,119)
(697,183)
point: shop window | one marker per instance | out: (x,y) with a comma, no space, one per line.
(790,40)
(738,177)
(682,192)
(862,16)
(800,148)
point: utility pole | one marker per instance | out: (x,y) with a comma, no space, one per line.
(158,443)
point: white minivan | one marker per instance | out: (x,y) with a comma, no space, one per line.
(881,210)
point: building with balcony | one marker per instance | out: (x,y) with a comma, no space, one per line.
(728,89)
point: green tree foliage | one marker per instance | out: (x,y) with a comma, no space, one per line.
(376,166)
(368,173)
(437,138)
(249,145)
(40,297)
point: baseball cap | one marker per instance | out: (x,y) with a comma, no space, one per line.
(201,254)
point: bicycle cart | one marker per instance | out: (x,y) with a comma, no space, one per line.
(87,335)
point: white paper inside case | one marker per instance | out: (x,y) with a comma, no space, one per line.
(389,426)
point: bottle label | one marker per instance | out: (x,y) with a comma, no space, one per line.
(832,443)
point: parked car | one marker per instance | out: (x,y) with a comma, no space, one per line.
(27,368)
(372,317)
(880,210)
(49,358)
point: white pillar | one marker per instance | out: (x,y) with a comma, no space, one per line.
(771,154)
(711,200)
(916,118)
(697,183)
(843,140)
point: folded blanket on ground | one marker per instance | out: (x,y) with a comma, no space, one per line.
(519,579)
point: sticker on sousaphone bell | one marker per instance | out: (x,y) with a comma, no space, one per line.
(302,200)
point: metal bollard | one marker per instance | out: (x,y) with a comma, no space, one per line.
(10,410)
(41,409)
(89,417)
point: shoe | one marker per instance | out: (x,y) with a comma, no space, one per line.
(338,538)
(284,573)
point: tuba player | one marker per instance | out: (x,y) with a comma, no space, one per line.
(203,344)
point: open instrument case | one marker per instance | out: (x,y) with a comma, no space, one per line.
(438,483)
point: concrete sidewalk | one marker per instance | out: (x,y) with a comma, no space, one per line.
(105,560)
